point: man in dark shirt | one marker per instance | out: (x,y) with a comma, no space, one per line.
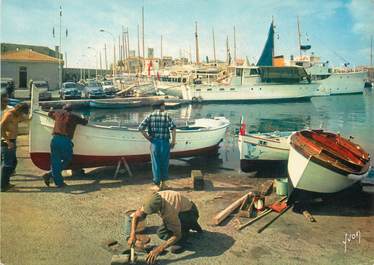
(61,144)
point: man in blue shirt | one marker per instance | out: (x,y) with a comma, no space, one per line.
(156,128)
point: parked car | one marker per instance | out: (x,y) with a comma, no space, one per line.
(108,87)
(43,87)
(93,90)
(70,90)
(8,85)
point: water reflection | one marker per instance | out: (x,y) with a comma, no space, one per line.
(348,114)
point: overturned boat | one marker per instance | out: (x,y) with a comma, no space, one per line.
(325,162)
(96,146)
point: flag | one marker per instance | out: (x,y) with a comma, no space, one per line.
(242,126)
(53,32)
(60,11)
(66,32)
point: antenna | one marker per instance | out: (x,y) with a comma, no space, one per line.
(214,47)
(299,34)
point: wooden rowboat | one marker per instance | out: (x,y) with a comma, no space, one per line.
(325,162)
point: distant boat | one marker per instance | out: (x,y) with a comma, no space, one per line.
(325,162)
(332,81)
(96,146)
(106,104)
(252,83)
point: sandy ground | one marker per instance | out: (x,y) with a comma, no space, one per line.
(41,225)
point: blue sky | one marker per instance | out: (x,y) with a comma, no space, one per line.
(338,30)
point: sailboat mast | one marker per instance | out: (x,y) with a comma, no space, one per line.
(143,31)
(234,45)
(371,51)
(161,48)
(299,34)
(227,50)
(214,47)
(197,44)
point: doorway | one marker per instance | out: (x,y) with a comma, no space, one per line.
(22,77)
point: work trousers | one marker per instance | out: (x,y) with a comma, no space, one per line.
(160,153)
(8,163)
(61,156)
(188,221)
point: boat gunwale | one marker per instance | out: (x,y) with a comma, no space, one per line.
(327,164)
(96,126)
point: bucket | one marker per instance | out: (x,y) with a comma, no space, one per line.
(281,186)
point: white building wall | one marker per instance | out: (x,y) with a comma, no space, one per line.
(35,70)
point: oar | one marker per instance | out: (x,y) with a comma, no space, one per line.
(275,218)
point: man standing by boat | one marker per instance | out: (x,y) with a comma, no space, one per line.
(179,215)
(158,125)
(9,132)
(61,143)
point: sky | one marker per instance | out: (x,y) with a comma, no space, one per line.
(339,31)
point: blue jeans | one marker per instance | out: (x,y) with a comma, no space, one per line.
(61,156)
(8,163)
(160,153)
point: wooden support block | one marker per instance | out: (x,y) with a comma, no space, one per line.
(120,259)
(267,187)
(197,180)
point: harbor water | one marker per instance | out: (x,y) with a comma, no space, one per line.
(350,115)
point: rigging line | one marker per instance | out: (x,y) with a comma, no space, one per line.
(331,50)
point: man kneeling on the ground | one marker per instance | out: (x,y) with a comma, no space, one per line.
(179,216)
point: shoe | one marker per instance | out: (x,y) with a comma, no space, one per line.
(8,187)
(155,188)
(163,186)
(47,178)
(63,185)
(176,249)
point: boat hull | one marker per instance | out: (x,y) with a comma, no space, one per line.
(263,151)
(307,175)
(343,83)
(250,92)
(315,162)
(96,146)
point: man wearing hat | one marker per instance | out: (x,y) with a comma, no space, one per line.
(10,119)
(156,129)
(61,143)
(179,215)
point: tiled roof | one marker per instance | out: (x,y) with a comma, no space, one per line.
(27,56)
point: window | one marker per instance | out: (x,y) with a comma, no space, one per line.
(198,89)
(239,72)
(209,89)
(221,89)
(232,88)
(253,72)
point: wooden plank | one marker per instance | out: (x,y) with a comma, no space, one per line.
(218,218)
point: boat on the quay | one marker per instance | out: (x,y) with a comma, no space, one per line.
(98,145)
(263,151)
(325,162)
